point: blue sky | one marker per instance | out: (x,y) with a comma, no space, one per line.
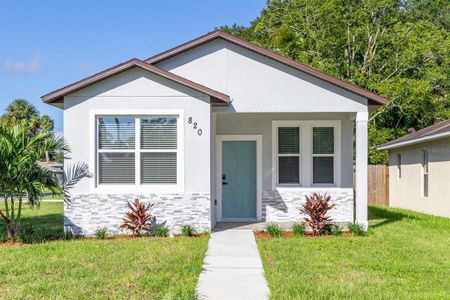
(45,45)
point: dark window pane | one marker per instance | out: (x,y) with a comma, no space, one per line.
(116,133)
(159,133)
(288,140)
(323,170)
(323,140)
(288,169)
(116,168)
(159,168)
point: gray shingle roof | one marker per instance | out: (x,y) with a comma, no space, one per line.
(430,132)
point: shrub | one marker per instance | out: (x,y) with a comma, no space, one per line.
(356,229)
(26,235)
(3,237)
(298,229)
(101,233)
(316,208)
(138,218)
(41,235)
(188,230)
(274,230)
(161,231)
(68,235)
(336,230)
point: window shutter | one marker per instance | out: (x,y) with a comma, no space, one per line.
(323,140)
(288,140)
(116,168)
(159,133)
(116,133)
(159,167)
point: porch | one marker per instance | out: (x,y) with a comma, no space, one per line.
(264,164)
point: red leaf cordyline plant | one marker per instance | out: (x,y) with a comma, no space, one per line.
(138,218)
(316,208)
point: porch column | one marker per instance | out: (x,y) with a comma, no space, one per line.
(361,168)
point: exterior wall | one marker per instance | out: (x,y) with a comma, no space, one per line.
(137,92)
(259,84)
(407,191)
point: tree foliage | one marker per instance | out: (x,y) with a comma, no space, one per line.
(22,112)
(20,174)
(396,48)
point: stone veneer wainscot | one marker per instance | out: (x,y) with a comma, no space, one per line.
(88,212)
(283,206)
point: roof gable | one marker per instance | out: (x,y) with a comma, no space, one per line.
(58,95)
(218,34)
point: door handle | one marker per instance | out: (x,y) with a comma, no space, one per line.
(224,183)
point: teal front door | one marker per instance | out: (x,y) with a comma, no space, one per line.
(238,179)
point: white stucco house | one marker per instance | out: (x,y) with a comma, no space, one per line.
(419,170)
(214,130)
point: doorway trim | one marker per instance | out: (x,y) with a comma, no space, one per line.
(258,140)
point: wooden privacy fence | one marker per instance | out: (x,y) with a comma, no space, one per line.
(378,185)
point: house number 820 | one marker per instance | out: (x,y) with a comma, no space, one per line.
(195,126)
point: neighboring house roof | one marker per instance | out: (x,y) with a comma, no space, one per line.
(433,132)
(54,167)
(374,98)
(58,95)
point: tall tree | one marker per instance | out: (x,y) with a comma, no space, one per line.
(396,48)
(22,112)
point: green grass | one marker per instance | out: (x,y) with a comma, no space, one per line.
(405,256)
(48,216)
(143,268)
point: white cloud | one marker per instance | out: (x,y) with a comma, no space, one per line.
(23,67)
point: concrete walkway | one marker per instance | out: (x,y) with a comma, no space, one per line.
(232,267)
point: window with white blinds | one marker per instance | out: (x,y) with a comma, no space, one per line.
(159,150)
(288,155)
(323,155)
(137,150)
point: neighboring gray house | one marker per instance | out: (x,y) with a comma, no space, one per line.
(214,130)
(419,170)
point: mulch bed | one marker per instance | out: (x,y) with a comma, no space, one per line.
(289,234)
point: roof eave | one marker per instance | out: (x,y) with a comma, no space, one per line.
(414,141)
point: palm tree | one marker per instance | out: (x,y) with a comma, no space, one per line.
(19,172)
(20,111)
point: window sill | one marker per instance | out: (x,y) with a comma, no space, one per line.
(138,189)
(321,188)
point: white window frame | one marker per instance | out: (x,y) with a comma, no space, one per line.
(306,152)
(137,186)
(323,155)
(299,155)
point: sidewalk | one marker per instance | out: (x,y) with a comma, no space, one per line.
(232,267)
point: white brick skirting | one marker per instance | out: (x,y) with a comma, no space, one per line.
(89,212)
(283,206)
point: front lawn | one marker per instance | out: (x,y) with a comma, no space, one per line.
(406,255)
(120,268)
